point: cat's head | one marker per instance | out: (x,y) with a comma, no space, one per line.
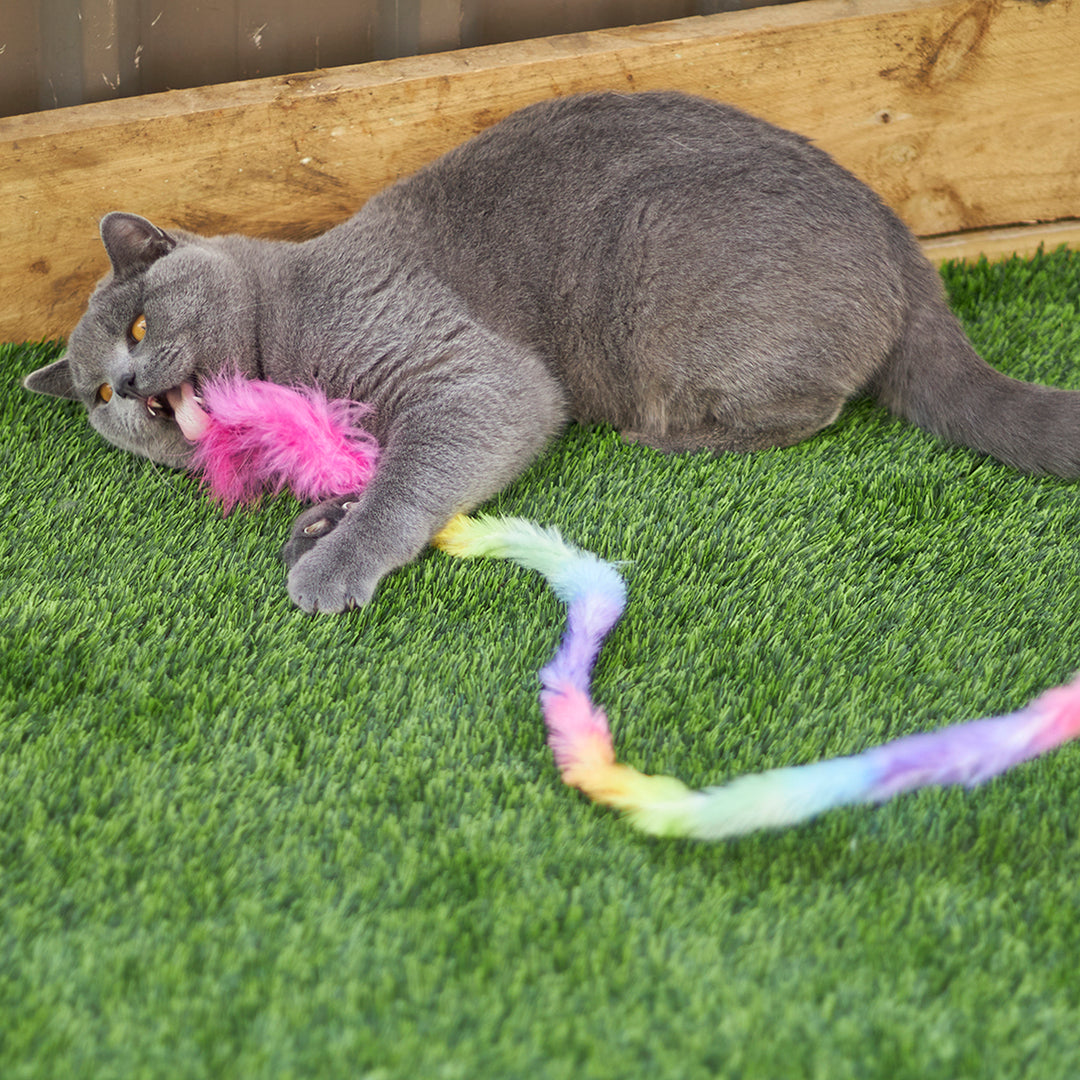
(174,309)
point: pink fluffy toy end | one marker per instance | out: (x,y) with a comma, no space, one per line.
(251,436)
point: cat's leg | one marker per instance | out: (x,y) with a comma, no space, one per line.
(441,456)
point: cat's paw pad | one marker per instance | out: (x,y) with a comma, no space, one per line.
(312,525)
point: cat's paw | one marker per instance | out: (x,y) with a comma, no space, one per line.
(341,550)
(323,582)
(312,525)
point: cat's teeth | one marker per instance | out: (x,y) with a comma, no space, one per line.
(156,407)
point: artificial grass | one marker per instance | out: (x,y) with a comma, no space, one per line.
(236,841)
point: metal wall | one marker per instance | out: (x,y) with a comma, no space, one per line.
(67,52)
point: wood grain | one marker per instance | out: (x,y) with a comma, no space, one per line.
(963,114)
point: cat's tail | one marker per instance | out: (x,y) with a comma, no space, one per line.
(935,379)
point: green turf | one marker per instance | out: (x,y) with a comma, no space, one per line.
(236,841)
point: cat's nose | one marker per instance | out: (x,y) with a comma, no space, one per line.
(125,386)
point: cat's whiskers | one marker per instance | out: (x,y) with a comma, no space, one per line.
(167,477)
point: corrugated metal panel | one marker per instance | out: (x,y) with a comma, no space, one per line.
(67,52)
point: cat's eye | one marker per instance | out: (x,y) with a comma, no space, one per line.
(137,330)
(104,392)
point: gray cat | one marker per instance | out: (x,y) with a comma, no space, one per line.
(669,265)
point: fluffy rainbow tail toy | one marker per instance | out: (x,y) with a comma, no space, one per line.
(253,435)
(579,735)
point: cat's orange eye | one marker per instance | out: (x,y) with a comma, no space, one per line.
(104,392)
(138,328)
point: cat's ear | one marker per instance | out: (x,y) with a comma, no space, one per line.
(53,379)
(133,243)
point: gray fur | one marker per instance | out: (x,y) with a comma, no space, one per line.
(669,265)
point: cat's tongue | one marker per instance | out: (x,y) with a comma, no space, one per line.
(191,417)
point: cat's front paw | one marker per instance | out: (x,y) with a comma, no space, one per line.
(312,525)
(324,583)
(340,550)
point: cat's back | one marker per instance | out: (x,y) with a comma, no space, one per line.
(569,159)
(608,142)
(558,212)
(537,197)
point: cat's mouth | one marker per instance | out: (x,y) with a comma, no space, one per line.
(180,405)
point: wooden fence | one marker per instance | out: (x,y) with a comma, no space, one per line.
(963,114)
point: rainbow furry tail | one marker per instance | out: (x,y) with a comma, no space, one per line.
(580,736)
(251,436)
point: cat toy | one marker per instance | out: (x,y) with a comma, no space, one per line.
(250,435)
(580,737)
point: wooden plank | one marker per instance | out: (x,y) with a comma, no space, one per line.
(964,114)
(1024,240)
